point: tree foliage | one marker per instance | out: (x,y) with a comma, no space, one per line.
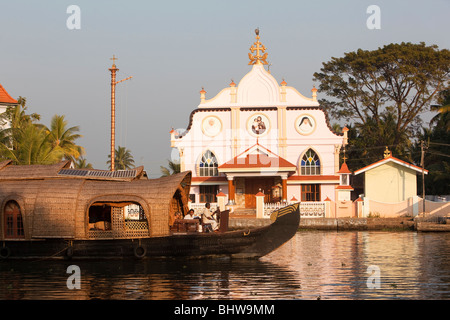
(123,159)
(437,141)
(174,167)
(383,92)
(25,141)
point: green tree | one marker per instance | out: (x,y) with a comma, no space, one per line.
(437,142)
(25,141)
(174,167)
(81,163)
(59,135)
(384,91)
(123,159)
(13,120)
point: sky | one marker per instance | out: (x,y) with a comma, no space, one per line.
(174,48)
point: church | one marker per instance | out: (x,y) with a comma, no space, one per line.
(259,135)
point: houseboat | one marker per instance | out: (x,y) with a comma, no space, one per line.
(58,212)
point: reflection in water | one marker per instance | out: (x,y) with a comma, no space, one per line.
(329,265)
(334,265)
(196,279)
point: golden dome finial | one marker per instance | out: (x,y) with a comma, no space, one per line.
(387,153)
(259,48)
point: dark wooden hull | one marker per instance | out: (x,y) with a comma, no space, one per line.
(251,243)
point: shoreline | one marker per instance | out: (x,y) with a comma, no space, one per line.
(347,224)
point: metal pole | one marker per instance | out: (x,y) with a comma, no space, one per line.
(423,176)
(113,70)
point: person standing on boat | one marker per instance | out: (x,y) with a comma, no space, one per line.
(208,217)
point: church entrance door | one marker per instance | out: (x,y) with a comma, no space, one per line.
(253,186)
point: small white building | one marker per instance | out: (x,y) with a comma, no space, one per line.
(390,180)
(260,135)
(5,101)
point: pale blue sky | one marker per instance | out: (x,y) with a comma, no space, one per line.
(172,49)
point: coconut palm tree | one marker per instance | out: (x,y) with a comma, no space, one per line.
(59,135)
(81,163)
(13,120)
(123,159)
(23,140)
(31,147)
(174,167)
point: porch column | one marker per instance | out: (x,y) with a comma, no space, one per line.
(230,190)
(284,188)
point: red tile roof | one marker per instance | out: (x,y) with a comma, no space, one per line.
(5,97)
(258,161)
(390,159)
(345,188)
(307,178)
(266,159)
(344,169)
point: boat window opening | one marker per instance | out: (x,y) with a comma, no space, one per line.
(177,203)
(13,220)
(134,212)
(117,220)
(100,217)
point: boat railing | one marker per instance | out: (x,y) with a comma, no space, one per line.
(120,228)
(198,207)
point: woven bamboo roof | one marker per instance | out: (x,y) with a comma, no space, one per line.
(63,169)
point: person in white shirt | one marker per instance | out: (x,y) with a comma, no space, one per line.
(190,214)
(208,218)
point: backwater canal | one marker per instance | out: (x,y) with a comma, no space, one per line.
(351,265)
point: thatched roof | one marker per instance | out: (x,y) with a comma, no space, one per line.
(63,170)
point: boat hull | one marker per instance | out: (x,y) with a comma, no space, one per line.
(250,243)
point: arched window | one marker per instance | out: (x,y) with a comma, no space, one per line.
(208,165)
(310,163)
(13,220)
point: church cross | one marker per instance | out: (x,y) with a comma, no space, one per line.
(344,157)
(259,48)
(114,59)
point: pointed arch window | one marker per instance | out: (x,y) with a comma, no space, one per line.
(310,163)
(13,220)
(208,165)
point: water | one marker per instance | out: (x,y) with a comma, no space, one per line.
(325,265)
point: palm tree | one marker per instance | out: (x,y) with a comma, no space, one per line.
(23,140)
(31,147)
(14,120)
(123,159)
(174,167)
(59,135)
(81,163)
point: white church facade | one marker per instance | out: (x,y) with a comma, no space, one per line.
(260,136)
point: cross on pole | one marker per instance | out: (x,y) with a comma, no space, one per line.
(114,59)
